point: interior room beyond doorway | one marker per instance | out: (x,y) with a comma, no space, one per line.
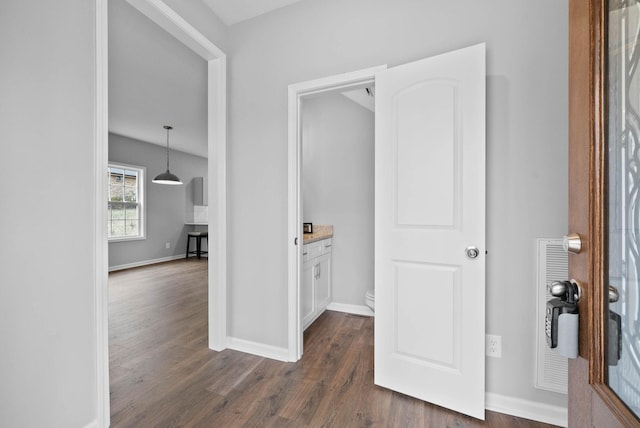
(337,192)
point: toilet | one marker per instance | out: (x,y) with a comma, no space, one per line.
(370,299)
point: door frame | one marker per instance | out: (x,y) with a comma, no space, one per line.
(296,92)
(591,401)
(174,24)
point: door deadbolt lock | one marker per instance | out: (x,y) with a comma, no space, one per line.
(472,252)
(572,243)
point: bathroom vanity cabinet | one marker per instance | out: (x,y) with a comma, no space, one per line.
(316,280)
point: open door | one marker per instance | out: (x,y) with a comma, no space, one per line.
(604,209)
(430,230)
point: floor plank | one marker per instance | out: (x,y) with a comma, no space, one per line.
(163,375)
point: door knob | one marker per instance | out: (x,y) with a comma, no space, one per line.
(614,296)
(558,288)
(472,252)
(569,291)
(572,243)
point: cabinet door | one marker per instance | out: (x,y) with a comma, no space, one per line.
(307,304)
(200,191)
(323,282)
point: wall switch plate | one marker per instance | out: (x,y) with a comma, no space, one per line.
(493,346)
(167,245)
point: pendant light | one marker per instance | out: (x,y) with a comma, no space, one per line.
(167,177)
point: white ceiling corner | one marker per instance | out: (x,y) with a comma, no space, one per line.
(155,80)
(234,11)
(361,97)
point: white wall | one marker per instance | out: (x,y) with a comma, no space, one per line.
(337,188)
(526,145)
(46,120)
(47,314)
(167,207)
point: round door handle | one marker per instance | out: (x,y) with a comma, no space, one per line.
(614,296)
(558,288)
(569,291)
(472,252)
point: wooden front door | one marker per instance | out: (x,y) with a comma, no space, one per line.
(604,209)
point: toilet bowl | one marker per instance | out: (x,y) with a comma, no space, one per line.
(370,299)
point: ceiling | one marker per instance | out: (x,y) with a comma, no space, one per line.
(363,96)
(234,11)
(154,80)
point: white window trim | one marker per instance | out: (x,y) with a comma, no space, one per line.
(142,193)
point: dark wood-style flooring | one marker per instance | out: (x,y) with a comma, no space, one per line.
(163,375)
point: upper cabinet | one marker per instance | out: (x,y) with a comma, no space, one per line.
(200,191)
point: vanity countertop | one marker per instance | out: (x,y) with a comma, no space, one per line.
(320,232)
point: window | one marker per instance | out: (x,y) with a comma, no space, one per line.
(125,219)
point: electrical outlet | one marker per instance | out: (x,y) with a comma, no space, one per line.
(493,346)
(167,245)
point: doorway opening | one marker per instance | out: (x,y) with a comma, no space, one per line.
(175,25)
(298,94)
(429,181)
(337,203)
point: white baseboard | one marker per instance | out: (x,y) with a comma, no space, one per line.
(541,412)
(260,349)
(145,262)
(350,309)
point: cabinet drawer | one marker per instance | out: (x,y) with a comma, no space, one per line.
(326,245)
(311,251)
(316,249)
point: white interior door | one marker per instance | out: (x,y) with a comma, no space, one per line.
(429,208)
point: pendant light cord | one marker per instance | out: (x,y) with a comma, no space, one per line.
(168,128)
(168,148)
